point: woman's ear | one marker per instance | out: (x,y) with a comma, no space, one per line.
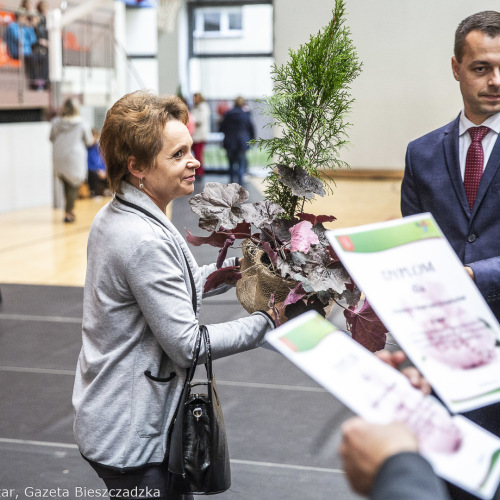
(132,167)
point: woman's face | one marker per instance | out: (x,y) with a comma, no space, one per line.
(173,176)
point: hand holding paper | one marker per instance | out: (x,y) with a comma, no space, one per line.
(365,447)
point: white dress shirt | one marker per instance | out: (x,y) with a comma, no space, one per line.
(464,140)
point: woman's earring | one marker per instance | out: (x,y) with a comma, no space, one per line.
(141,184)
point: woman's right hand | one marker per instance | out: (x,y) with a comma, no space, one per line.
(281,313)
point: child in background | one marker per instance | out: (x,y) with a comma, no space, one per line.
(97,169)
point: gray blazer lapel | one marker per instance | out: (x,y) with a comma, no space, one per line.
(450,146)
(488,174)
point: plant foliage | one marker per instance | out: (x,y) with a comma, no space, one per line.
(309,106)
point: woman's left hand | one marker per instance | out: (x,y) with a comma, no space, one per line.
(396,359)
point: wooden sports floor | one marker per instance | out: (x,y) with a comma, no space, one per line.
(36,247)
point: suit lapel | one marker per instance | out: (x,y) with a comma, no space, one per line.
(450,145)
(488,174)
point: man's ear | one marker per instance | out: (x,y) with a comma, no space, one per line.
(455,66)
(132,167)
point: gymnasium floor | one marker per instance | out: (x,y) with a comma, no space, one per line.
(283,429)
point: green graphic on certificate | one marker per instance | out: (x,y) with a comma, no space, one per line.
(377,240)
(308,336)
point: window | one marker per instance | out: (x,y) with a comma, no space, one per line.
(218,22)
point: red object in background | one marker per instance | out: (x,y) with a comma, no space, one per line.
(222,108)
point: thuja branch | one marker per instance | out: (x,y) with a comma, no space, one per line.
(309,106)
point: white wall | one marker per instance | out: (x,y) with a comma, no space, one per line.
(227,78)
(26,166)
(406,88)
(257,34)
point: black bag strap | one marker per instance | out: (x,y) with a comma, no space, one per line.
(150,215)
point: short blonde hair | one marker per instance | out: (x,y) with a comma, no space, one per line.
(134,127)
(70,107)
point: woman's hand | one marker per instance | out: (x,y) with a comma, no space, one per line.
(281,313)
(396,359)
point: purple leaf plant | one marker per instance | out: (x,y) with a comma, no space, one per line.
(297,250)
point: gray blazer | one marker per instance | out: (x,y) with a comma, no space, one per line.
(138,333)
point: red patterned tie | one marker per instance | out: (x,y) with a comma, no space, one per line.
(474,163)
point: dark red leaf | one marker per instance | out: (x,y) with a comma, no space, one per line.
(216,239)
(365,327)
(226,275)
(316,219)
(273,256)
(223,251)
(295,295)
(332,253)
(240,232)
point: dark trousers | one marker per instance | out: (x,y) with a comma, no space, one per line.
(237,165)
(96,184)
(144,482)
(70,194)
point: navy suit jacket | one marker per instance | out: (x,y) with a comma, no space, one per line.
(238,129)
(432,183)
(407,476)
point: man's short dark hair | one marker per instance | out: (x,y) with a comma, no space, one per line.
(487,21)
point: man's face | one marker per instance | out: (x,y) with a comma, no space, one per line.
(479,76)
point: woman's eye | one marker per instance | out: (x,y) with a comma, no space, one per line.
(178,154)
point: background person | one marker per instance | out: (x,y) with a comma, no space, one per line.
(142,298)
(96,167)
(70,136)
(40,49)
(201,116)
(238,130)
(19,38)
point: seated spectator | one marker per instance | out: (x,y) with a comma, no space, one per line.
(97,169)
(28,6)
(39,56)
(20,37)
(40,49)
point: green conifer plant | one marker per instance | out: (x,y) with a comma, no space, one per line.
(309,107)
(289,263)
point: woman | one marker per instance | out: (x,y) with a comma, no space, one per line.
(70,136)
(142,298)
(201,115)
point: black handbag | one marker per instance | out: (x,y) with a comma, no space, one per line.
(198,454)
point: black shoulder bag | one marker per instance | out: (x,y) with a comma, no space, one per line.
(198,456)
(198,453)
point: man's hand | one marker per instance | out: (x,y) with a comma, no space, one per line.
(396,359)
(365,447)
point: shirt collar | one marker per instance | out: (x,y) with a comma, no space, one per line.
(493,122)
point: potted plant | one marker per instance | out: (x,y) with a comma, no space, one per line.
(288,260)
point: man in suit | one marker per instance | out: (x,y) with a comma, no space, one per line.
(238,130)
(437,176)
(382,461)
